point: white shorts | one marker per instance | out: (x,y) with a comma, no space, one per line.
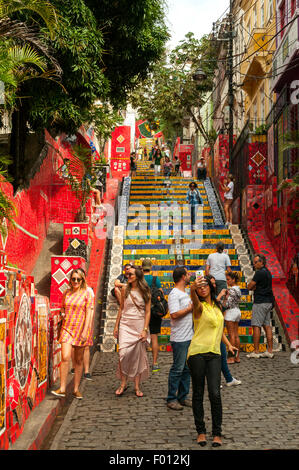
(232,314)
(157,168)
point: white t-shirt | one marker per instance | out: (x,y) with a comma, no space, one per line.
(182,328)
(229,194)
(218,263)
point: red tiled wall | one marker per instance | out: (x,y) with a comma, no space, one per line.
(48,199)
(24,350)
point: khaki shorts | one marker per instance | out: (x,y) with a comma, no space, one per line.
(261,314)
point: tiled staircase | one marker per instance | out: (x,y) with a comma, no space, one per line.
(168,242)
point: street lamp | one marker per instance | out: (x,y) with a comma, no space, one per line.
(199,75)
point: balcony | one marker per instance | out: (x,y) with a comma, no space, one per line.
(287,51)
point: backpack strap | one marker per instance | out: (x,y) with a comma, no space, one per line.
(154,281)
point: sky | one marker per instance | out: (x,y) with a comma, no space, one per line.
(196,16)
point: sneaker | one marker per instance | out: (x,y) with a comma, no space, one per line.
(233,382)
(155,368)
(186,403)
(58,393)
(174,405)
(267,354)
(77,395)
(254,355)
(87,376)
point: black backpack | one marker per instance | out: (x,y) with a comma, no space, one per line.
(159,305)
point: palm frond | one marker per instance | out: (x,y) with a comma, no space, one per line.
(42,7)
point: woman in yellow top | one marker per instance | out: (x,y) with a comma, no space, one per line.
(204,357)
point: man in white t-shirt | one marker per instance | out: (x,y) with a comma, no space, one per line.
(217,265)
(181,322)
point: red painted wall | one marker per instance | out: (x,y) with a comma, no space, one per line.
(48,199)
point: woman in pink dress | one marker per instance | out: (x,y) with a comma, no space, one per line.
(76,313)
(131,329)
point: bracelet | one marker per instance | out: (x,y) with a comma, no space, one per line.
(145,329)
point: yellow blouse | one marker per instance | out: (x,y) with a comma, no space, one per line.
(208,329)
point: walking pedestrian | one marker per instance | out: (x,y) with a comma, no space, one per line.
(217,264)
(232,314)
(228,188)
(132,331)
(180,309)
(204,358)
(201,169)
(133,160)
(86,355)
(120,283)
(177,166)
(263,301)
(155,320)
(157,161)
(76,313)
(167,167)
(194,200)
(229,379)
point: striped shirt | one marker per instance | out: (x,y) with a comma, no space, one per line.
(75,305)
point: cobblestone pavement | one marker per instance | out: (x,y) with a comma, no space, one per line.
(262,413)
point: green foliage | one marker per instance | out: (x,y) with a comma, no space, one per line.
(171,93)
(103,52)
(7,207)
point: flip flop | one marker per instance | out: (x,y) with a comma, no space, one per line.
(123,390)
(139,393)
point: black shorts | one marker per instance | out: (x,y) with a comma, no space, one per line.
(155,325)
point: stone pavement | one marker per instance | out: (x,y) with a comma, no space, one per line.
(260,414)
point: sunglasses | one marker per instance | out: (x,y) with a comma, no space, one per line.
(76,279)
(131,274)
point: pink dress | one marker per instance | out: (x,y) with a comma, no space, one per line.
(132,352)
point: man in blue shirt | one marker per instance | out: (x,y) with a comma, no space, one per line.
(155,323)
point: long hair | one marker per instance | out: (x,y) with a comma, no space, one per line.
(213,293)
(83,285)
(141,285)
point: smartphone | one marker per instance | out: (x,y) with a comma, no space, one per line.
(200,273)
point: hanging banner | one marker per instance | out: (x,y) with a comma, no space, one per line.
(120,148)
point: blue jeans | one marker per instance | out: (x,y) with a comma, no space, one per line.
(179,375)
(224,367)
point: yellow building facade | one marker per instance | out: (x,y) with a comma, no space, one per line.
(255,45)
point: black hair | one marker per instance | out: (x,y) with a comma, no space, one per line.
(212,291)
(193,184)
(178,273)
(220,247)
(262,258)
(128,264)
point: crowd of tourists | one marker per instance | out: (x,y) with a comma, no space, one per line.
(199,307)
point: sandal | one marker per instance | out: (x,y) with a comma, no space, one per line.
(121,390)
(217,441)
(139,393)
(201,440)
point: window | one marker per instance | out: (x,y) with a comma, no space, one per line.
(262,101)
(262,13)
(270,10)
(282,16)
(293,7)
(254,17)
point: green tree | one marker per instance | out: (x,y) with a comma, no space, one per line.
(103,52)
(171,92)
